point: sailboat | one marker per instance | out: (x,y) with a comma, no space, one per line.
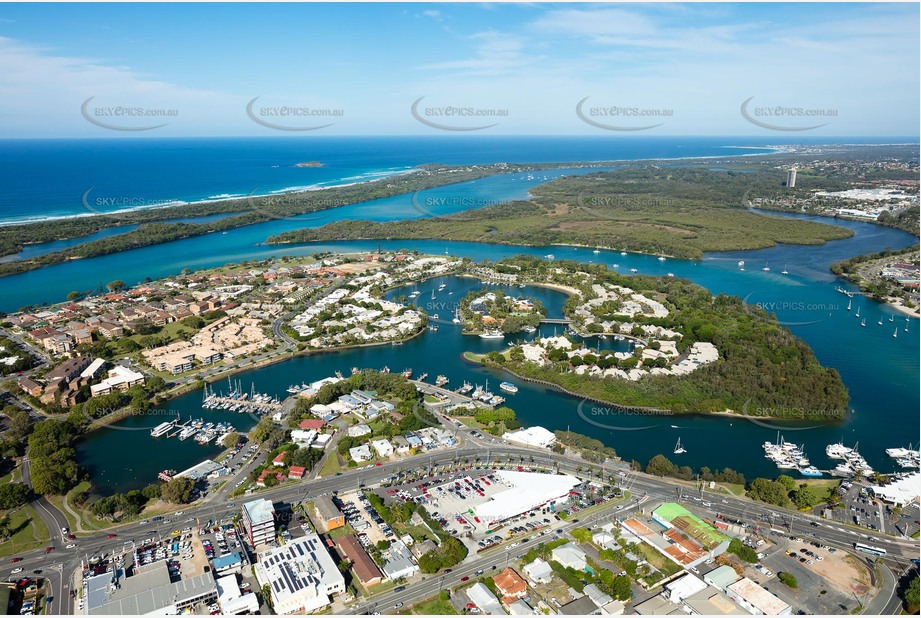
(678,448)
(456,319)
(433,293)
(880,322)
(892,318)
(863,322)
(895,333)
(766,267)
(784,271)
(741,264)
(858,312)
(848,305)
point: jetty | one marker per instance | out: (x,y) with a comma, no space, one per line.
(449,397)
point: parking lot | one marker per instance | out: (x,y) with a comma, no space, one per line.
(369,527)
(237,461)
(861,509)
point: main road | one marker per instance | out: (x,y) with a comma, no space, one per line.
(644,488)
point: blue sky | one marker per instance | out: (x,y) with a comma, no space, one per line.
(527,66)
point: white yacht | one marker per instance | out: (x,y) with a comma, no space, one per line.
(837,451)
(493,334)
(679,449)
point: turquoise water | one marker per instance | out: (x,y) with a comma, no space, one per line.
(880,371)
(53,283)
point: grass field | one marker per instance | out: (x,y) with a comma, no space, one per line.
(433,607)
(31,532)
(331,465)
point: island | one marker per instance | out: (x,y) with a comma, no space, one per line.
(680,348)
(493,312)
(310,164)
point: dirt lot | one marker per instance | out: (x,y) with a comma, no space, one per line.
(843,570)
(825,587)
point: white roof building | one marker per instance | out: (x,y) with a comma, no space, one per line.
(120,378)
(756,600)
(400,564)
(383,447)
(526,491)
(605,540)
(90,371)
(901,491)
(539,571)
(569,555)
(231,600)
(357,431)
(301,575)
(598,597)
(681,588)
(303,437)
(484,599)
(360,453)
(532,436)
(520,608)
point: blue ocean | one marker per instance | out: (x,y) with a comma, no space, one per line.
(46,179)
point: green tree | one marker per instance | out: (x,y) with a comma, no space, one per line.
(621,588)
(787,481)
(178,490)
(913,596)
(787,579)
(742,551)
(768,491)
(231,440)
(152,491)
(660,466)
(116,285)
(804,497)
(582,535)
(13,495)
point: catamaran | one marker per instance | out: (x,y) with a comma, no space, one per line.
(679,449)
(784,271)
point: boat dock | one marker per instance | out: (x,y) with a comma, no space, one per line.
(238,400)
(231,402)
(448,397)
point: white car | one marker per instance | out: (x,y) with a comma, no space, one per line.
(71,546)
(17,570)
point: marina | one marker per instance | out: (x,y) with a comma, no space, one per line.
(202,431)
(242,402)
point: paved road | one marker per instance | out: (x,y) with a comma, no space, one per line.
(655,489)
